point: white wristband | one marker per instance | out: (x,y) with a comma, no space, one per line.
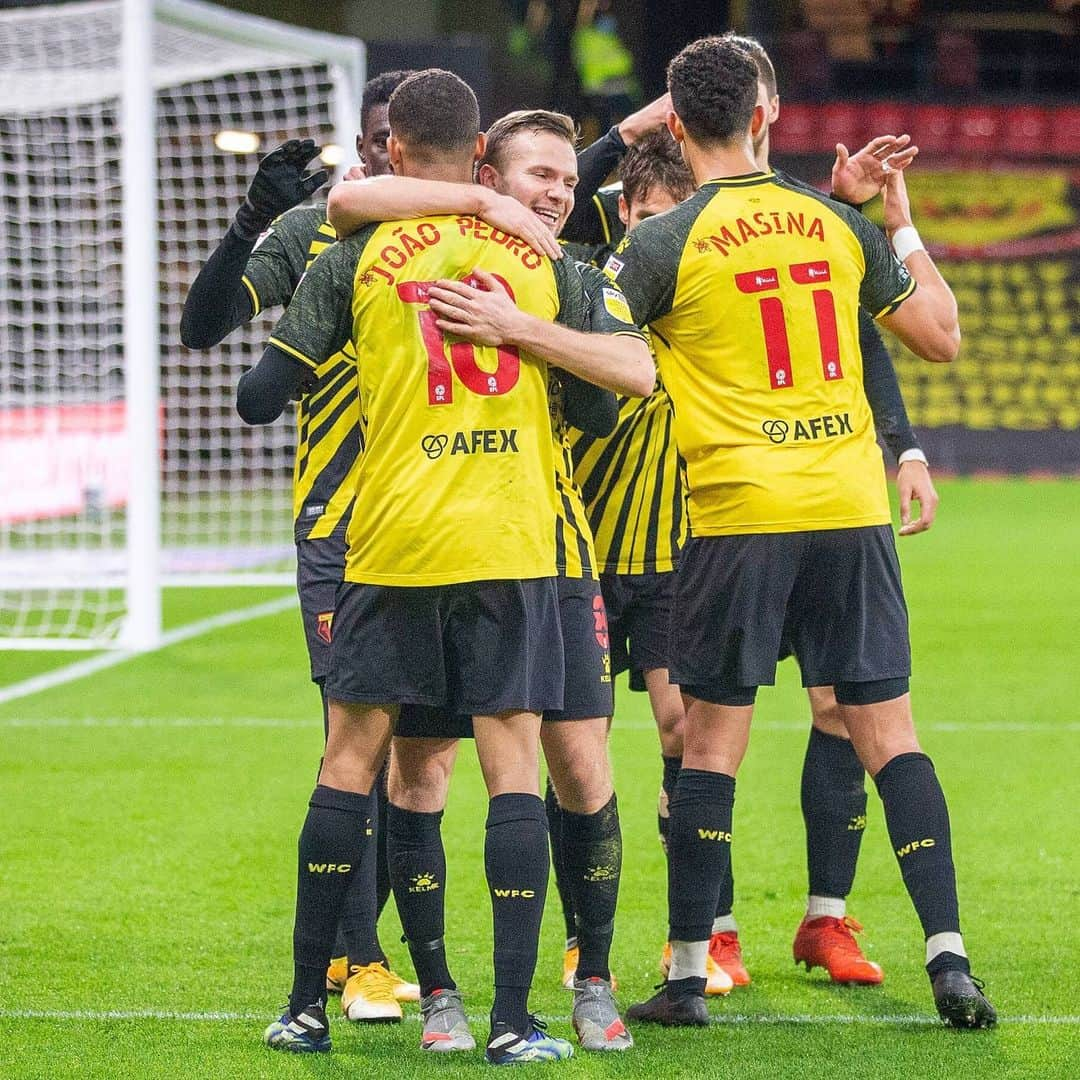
(905,241)
(914,454)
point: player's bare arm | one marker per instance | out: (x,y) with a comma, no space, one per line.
(354,203)
(646,119)
(858,178)
(927,322)
(487,316)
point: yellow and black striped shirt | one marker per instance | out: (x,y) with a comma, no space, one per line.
(575,556)
(328,433)
(633,488)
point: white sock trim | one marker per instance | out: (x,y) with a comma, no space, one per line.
(688,959)
(936,944)
(819,906)
(725,924)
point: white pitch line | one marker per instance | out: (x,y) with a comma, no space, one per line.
(39,683)
(732,1020)
(946,727)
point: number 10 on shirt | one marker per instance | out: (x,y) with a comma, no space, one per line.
(462,353)
(777,350)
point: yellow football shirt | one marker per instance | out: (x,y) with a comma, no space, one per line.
(751,289)
(456,482)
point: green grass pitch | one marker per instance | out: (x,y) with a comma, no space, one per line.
(147,856)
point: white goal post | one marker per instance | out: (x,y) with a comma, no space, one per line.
(123,465)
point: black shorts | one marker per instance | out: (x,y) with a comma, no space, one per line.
(832,596)
(587,689)
(639,617)
(477,648)
(583,617)
(320,565)
(427,722)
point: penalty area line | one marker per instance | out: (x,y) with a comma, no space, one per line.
(732,1020)
(80,670)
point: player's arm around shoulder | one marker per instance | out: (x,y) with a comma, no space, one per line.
(926,320)
(617,358)
(355,203)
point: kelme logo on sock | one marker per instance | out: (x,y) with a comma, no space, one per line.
(857,823)
(422,883)
(600,873)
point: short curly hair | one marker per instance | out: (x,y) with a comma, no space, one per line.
(378,90)
(433,112)
(713,84)
(653,163)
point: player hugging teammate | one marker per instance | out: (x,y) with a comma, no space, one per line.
(465,475)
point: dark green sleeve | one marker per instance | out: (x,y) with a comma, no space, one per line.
(645,265)
(277,264)
(318,321)
(589,302)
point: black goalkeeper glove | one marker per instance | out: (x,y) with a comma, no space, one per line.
(279,185)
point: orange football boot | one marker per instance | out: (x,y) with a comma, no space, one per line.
(830,943)
(726,953)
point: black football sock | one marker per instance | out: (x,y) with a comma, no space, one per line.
(918,822)
(725,898)
(834,810)
(516,862)
(358,919)
(593,849)
(699,855)
(418,874)
(558,860)
(330,852)
(382,865)
(672,765)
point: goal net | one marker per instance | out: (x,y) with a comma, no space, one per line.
(66,573)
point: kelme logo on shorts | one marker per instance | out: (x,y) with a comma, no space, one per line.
(817,427)
(477,441)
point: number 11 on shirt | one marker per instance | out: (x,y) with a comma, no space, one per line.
(774,324)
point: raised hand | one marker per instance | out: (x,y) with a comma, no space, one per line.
(858,178)
(280,183)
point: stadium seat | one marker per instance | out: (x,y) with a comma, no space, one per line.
(1026,131)
(888,118)
(978,131)
(1065,132)
(840,121)
(933,128)
(794,132)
